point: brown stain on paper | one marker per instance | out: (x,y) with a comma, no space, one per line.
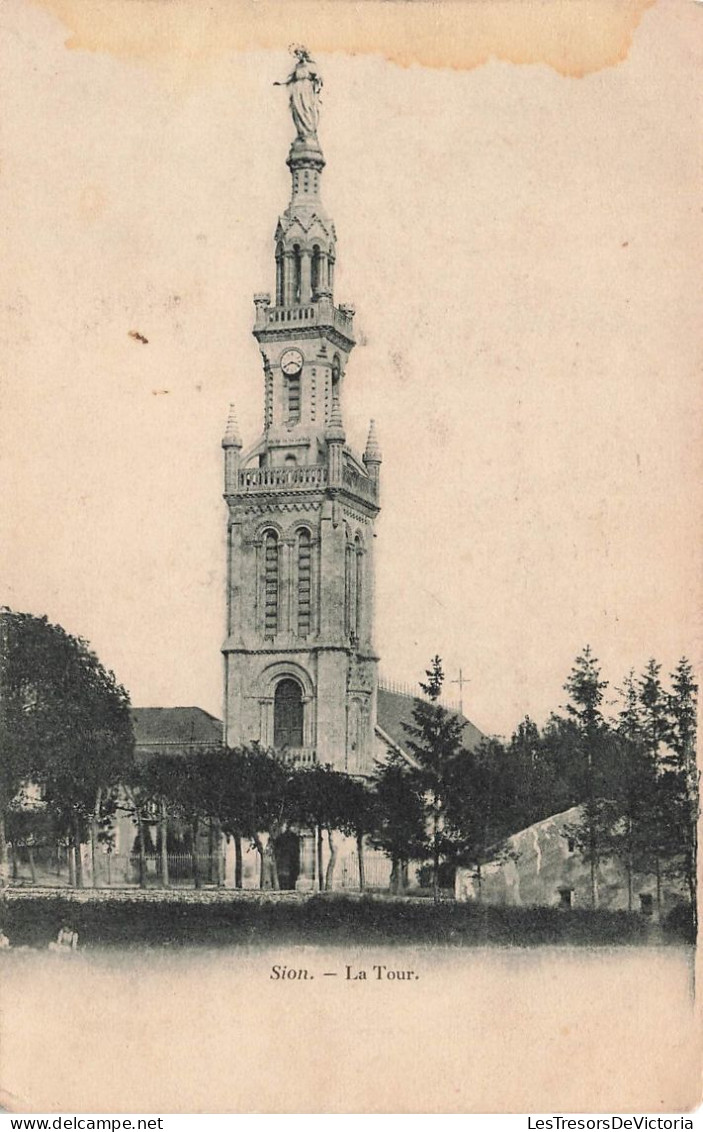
(574,37)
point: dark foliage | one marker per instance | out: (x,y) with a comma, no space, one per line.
(65,725)
(328,920)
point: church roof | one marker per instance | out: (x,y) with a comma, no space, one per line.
(181,727)
(163,728)
(395,708)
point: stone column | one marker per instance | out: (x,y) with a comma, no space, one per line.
(286,586)
(305,277)
(323,280)
(288,278)
(258,587)
(234,580)
(279,279)
(266,721)
(308,721)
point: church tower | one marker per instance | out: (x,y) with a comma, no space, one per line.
(300,665)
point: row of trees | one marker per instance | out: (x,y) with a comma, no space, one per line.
(631,771)
(629,764)
(253,796)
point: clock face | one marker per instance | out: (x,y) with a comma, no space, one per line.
(291,362)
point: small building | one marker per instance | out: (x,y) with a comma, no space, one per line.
(541,865)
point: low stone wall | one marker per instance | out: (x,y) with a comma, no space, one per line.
(156,895)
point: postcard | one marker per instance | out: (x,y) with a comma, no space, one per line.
(351,560)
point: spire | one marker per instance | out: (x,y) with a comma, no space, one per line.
(232,439)
(335,427)
(305,237)
(372,452)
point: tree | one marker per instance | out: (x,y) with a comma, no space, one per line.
(319,798)
(194,796)
(681,779)
(586,688)
(65,724)
(358,817)
(654,733)
(264,805)
(155,787)
(399,817)
(484,806)
(435,740)
(233,803)
(633,786)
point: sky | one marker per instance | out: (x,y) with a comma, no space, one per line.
(523,250)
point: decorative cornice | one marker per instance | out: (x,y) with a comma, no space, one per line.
(292,333)
(266,504)
(349,512)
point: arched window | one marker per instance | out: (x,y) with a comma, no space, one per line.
(270,584)
(304,583)
(288,714)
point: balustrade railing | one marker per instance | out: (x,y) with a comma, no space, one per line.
(288,315)
(358,483)
(300,756)
(321,313)
(300,478)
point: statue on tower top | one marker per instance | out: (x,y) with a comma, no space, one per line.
(305,86)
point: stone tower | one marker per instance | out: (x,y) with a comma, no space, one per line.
(300,666)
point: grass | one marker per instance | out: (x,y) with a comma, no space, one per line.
(327,920)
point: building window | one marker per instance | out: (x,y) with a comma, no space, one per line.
(294,398)
(270,584)
(287,714)
(304,583)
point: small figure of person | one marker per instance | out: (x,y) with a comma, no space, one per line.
(4,941)
(67,940)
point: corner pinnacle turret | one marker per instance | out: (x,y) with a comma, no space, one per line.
(232,438)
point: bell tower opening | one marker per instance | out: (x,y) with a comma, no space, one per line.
(288,714)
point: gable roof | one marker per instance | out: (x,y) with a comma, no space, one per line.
(395,708)
(163,728)
(183,727)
